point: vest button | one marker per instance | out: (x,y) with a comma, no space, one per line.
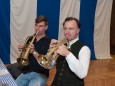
(59,78)
(60,74)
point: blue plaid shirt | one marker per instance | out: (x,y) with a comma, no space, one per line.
(5,76)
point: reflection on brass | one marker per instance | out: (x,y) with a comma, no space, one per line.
(23,57)
(46,60)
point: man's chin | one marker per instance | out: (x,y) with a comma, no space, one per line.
(39,34)
(69,39)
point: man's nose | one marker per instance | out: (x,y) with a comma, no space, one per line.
(67,31)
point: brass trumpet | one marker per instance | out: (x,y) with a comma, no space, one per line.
(45,60)
(23,57)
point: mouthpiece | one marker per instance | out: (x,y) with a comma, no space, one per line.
(37,32)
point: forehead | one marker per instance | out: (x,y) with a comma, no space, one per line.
(41,23)
(71,23)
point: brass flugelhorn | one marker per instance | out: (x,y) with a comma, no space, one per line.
(23,57)
(46,60)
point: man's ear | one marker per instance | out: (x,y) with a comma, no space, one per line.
(46,27)
(78,31)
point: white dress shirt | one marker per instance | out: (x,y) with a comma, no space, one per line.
(79,66)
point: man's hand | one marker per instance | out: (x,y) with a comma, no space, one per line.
(53,43)
(32,49)
(62,50)
(20,47)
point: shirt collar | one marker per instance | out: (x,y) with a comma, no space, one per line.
(72,42)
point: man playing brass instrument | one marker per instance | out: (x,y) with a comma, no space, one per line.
(33,74)
(72,65)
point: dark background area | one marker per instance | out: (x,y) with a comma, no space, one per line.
(112,30)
